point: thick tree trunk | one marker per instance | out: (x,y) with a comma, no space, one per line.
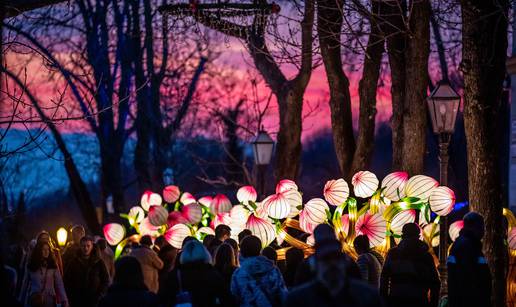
(484,50)
(416,75)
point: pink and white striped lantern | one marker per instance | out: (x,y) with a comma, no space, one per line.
(315,211)
(260,211)
(206,230)
(176,217)
(205,201)
(246,194)
(146,228)
(171,194)
(364,183)
(310,240)
(511,238)
(373,226)
(277,206)
(187,199)
(114,233)
(442,200)
(220,218)
(261,228)
(336,192)
(394,185)
(158,215)
(150,199)
(305,224)
(420,186)
(193,213)
(455,229)
(285,185)
(402,218)
(220,204)
(136,214)
(295,200)
(239,214)
(176,235)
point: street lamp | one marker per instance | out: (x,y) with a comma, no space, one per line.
(443,105)
(62,236)
(263,146)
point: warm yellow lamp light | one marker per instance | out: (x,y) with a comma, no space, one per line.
(62,235)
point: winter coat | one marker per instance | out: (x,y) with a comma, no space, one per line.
(151,264)
(258,282)
(370,266)
(204,284)
(86,280)
(408,274)
(49,283)
(469,278)
(119,296)
(356,293)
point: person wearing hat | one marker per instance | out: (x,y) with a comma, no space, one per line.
(332,285)
(469,278)
(409,272)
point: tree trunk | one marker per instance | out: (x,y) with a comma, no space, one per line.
(416,73)
(484,50)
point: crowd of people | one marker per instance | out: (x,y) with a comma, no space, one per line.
(219,271)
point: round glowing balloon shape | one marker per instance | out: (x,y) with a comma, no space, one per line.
(394,185)
(295,200)
(192,212)
(221,218)
(187,199)
(220,204)
(246,194)
(158,215)
(150,199)
(427,231)
(239,214)
(261,228)
(205,201)
(285,185)
(176,217)
(336,192)
(364,183)
(455,229)
(305,224)
(315,211)
(511,238)
(402,218)
(114,233)
(206,230)
(373,226)
(420,186)
(136,214)
(176,235)
(442,200)
(277,206)
(171,193)
(146,228)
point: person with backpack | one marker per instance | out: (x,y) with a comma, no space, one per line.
(369,262)
(258,282)
(409,276)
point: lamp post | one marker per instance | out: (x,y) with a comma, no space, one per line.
(263,146)
(443,105)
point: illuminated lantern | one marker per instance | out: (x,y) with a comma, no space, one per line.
(221,218)
(364,183)
(394,185)
(442,200)
(150,199)
(171,193)
(146,228)
(136,215)
(193,213)
(205,201)
(261,228)
(260,211)
(378,203)
(239,214)
(62,236)
(114,233)
(373,226)
(402,218)
(511,238)
(310,240)
(315,211)
(236,228)
(435,238)
(344,220)
(187,199)
(206,230)
(295,200)
(336,192)
(176,217)
(246,193)
(455,229)
(277,206)
(176,235)
(305,224)
(285,185)
(158,215)
(220,204)
(420,186)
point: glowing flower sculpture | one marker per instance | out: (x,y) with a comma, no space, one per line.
(305,224)
(187,199)
(205,201)
(150,199)
(336,192)
(239,214)
(455,229)
(246,194)
(261,228)
(220,204)
(193,213)
(206,230)
(221,218)
(171,193)
(136,215)
(277,206)
(146,228)
(158,215)
(315,211)
(402,218)
(176,235)
(394,185)
(364,183)
(176,217)
(427,231)
(373,226)
(114,233)
(420,186)
(295,201)
(442,200)
(285,185)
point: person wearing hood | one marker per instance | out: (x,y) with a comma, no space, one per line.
(409,272)
(258,282)
(469,278)
(86,278)
(128,289)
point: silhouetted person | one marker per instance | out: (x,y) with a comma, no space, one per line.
(150,262)
(86,279)
(207,240)
(369,262)
(332,285)
(195,281)
(159,243)
(128,288)
(222,232)
(409,272)
(74,246)
(8,279)
(234,245)
(469,278)
(167,254)
(293,258)
(107,256)
(258,282)
(244,233)
(270,253)
(225,262)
